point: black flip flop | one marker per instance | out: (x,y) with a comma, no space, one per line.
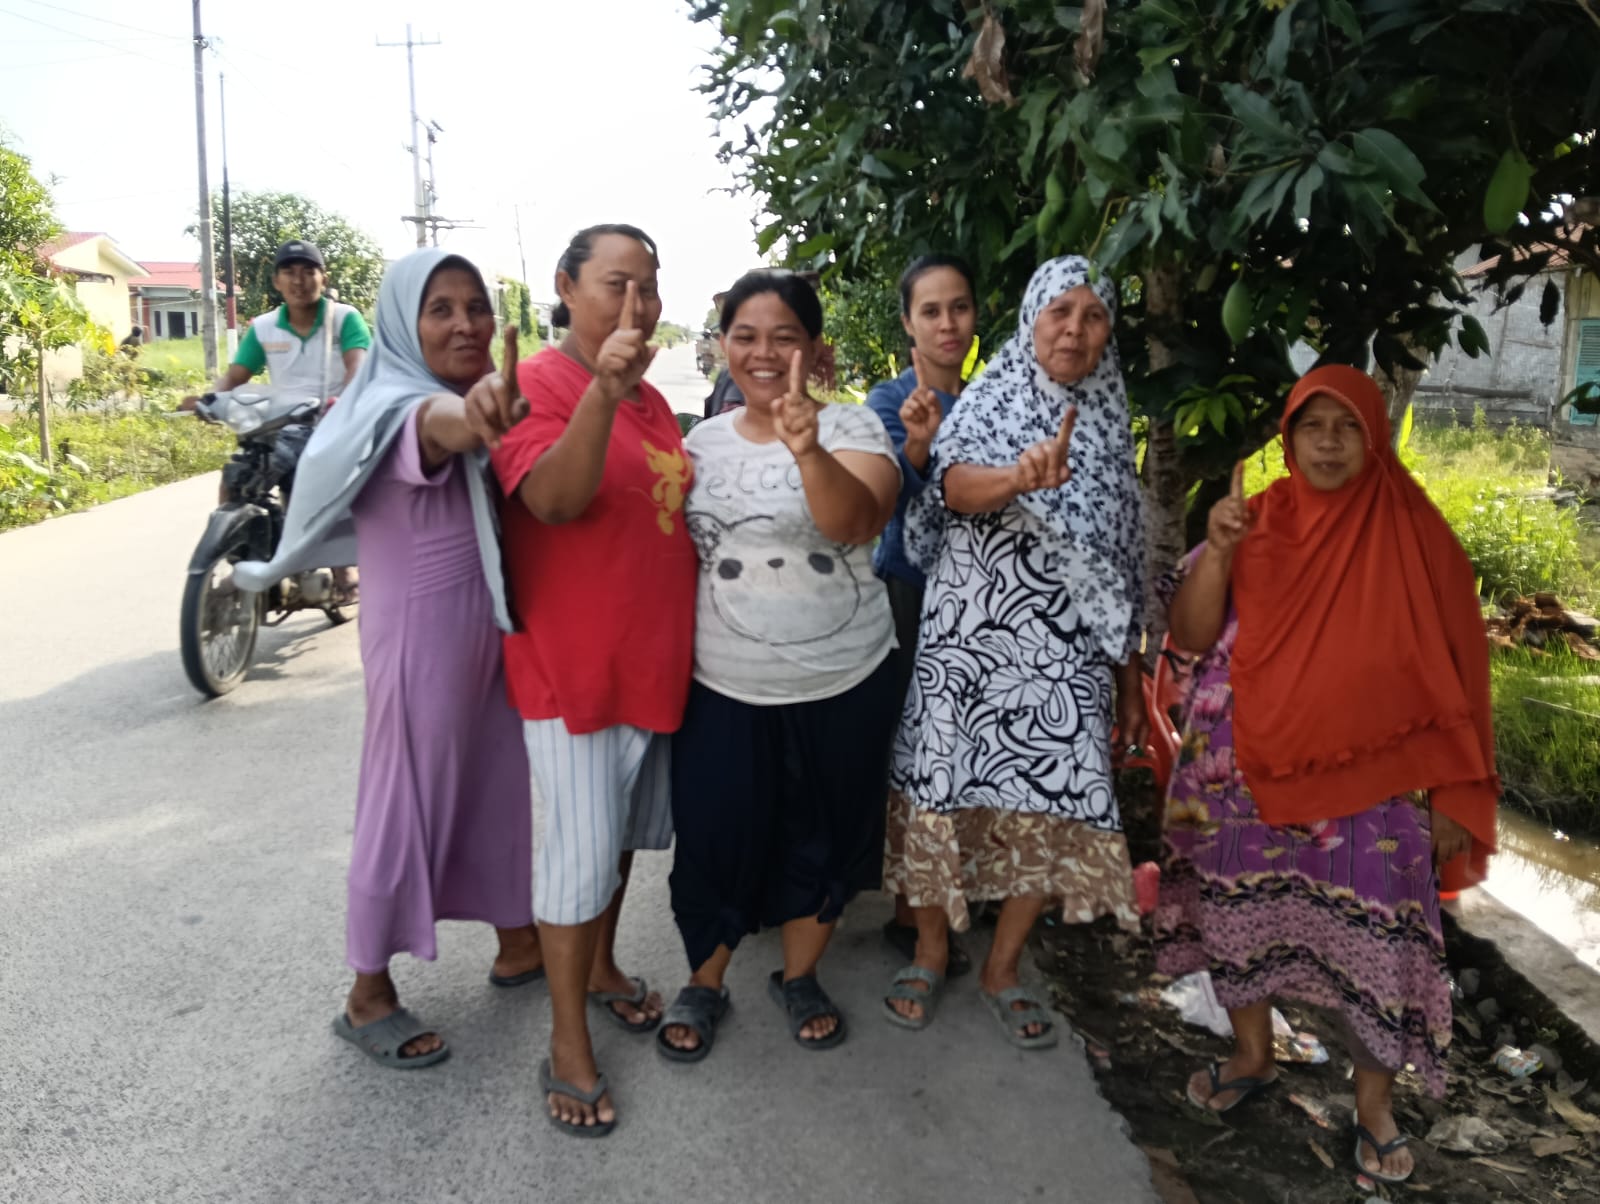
(516,980)
(700,1009)
(1364,1137)
(1245,1086)
(902,939)
(551,1085)
(804,1000)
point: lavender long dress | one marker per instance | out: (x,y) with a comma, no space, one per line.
(443,821)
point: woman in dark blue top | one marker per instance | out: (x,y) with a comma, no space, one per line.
(939,310)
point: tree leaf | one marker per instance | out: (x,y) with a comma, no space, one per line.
(1549,303)
(872,166)
(1257,114)
(1305,191)
(1395,162)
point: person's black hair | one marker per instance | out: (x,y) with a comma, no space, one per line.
(582,247)
(792,289)
(922,265)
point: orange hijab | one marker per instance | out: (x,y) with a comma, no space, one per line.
(1361,670)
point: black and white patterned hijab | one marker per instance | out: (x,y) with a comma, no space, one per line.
(1097,517)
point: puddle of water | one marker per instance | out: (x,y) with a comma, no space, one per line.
(1554,883)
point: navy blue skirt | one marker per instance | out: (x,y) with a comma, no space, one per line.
(778,811)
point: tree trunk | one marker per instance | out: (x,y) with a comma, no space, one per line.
(1166,485)
(44,411)
(1399,388)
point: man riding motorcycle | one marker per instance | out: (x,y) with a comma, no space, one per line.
(295,344)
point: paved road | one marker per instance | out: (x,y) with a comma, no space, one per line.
(171,952)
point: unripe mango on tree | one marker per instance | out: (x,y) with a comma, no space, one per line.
(1507,192)
(1237,306)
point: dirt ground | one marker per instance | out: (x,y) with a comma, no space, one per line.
(1545,1144)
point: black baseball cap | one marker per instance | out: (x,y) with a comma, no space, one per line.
(296,251)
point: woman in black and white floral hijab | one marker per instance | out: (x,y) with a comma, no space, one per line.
(1032,534)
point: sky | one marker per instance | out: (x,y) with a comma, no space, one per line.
(572,113)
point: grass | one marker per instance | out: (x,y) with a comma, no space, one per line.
(1549,759)
(174,356)
(100,457)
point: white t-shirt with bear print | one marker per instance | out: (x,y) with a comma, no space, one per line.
(783,614)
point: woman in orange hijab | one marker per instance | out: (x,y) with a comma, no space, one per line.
(1338,758)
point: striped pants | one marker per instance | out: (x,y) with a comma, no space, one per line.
(595,797)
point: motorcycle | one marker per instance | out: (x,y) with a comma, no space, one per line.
(219,622)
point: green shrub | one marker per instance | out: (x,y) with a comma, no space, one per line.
(100,457)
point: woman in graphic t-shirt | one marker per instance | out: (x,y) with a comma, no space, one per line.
(778,769)
(602,584)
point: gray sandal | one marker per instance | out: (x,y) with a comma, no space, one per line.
(551,1085)
(635,998)
(1013,1020)
(382,1040)
(699,1009)
(928,1000)
(804,1000)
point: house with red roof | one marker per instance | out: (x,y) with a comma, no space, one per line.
(166,301)
(100,271)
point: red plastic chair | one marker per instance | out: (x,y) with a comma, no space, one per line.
(1163,695)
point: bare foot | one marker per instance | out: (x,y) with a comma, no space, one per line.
(1237,1067)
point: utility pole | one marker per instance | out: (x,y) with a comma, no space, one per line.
(208,267)
(516,211)
(419,199)
(227,222)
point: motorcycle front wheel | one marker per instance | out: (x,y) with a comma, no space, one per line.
(218,625)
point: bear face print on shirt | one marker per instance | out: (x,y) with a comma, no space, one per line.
(783,614)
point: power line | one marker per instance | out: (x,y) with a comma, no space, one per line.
(72,12)
(75,33)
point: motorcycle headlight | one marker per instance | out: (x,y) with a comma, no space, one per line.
(244,422)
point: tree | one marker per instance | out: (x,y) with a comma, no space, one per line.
(264,221)
(1256,171)
(46,313)
(27,215)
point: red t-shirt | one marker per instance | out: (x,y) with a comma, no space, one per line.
(605,603)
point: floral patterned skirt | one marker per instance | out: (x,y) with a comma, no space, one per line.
(1343,914)
(939,859)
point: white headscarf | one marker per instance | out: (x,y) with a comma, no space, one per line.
(1097,517)
(350,441)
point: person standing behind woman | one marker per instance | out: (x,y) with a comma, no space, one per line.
(1338,743)
(1031,529)
(603,581)
(778,770)
(939,310)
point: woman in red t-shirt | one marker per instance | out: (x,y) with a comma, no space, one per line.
(602,575)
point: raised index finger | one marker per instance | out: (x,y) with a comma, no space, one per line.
(797,374)
(1068,421)
(1236,486)
(508,360)
(916,366)
(630,302)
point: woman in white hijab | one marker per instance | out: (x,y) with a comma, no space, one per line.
(1031,532)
